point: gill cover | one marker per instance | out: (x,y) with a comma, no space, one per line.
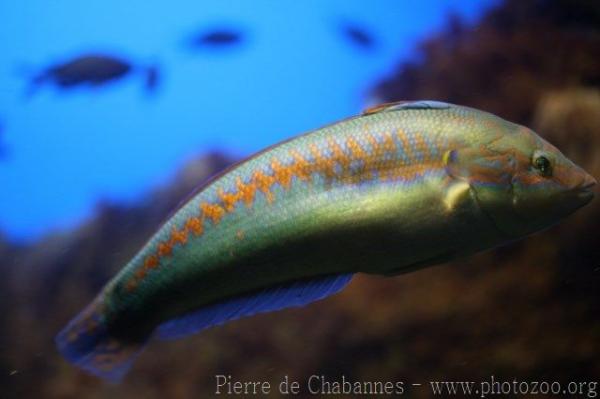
(489,175)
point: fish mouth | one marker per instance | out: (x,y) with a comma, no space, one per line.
(584,189)
(588,183)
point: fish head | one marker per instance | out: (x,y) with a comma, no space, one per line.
(522,182)
(547,186)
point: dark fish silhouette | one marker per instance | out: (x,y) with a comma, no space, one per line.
(218,38)
(91,70)
(358,36)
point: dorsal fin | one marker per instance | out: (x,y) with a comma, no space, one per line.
(400,105)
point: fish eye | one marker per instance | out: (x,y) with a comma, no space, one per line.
(543,164)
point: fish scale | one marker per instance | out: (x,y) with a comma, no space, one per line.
(262,164)
(401,187)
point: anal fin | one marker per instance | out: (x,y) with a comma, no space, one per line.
(294,294)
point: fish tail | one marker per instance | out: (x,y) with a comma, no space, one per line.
(152,78)
(87,343)
(35,82)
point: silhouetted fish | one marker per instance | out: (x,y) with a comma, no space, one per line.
(358,36)
(91,70)
(217,38)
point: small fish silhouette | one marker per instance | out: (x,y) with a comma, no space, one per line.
(91,70)
(217,38)
(358,36)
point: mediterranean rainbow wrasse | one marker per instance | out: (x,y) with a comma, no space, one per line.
(401,187)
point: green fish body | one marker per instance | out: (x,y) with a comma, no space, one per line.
(401,187)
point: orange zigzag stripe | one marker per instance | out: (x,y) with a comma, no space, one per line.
(302,169)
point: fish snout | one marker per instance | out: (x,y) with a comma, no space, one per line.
(588,182)
(584,188)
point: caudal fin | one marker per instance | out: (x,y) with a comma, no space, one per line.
(87,343)
(34,85)
(152,78)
